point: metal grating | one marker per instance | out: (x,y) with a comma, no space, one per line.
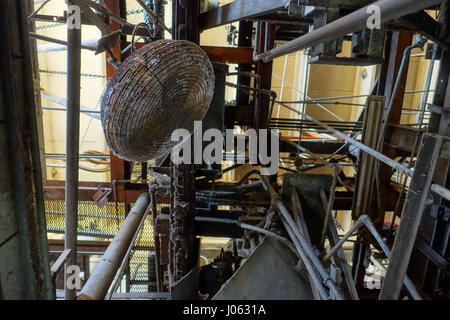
(92,220)
(105,222)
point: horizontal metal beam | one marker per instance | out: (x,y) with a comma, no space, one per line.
(239,10)
(423,23)
(353,22)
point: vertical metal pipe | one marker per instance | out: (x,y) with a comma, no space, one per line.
(330,203)
(157,244)
(72,148)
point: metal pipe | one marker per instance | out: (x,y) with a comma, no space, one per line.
(72,150)
(282,83)
(267,233)
(303,243)
(299,219)
(156,241)
(81,156)
(89,44)
(353,22)
(426,90)
(443,192)
(339,257)
(307,98)
(126,258)
(336,171)
(364,220)
(100,280)
(407,282)
(312,273)
(387,113)
(392,163)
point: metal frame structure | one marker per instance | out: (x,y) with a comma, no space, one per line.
(193,192)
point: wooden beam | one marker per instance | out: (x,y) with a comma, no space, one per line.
(239,55)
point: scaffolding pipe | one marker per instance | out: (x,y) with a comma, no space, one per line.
(100,280)
(356,21)
(72,150)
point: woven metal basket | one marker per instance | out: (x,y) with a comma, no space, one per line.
(165,85)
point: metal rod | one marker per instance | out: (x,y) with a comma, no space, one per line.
(282,83)
(353,22)
(364,220)
(279,206)
(104,273)
(398,81)
(267,233)
(156,241)
(407,282)
(61,42)
(439,190)
(305,96)
(59,263)
(329,205)
(312,272)
(72,150)
(299,219)
(64,109)
(81,156)
(392,163)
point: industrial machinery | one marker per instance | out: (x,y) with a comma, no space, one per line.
(382,171)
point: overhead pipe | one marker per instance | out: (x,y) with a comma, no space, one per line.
(353,22)
(103,275)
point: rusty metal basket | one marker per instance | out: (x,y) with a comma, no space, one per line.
(165,85)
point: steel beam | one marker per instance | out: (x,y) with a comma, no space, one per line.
(103,275)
